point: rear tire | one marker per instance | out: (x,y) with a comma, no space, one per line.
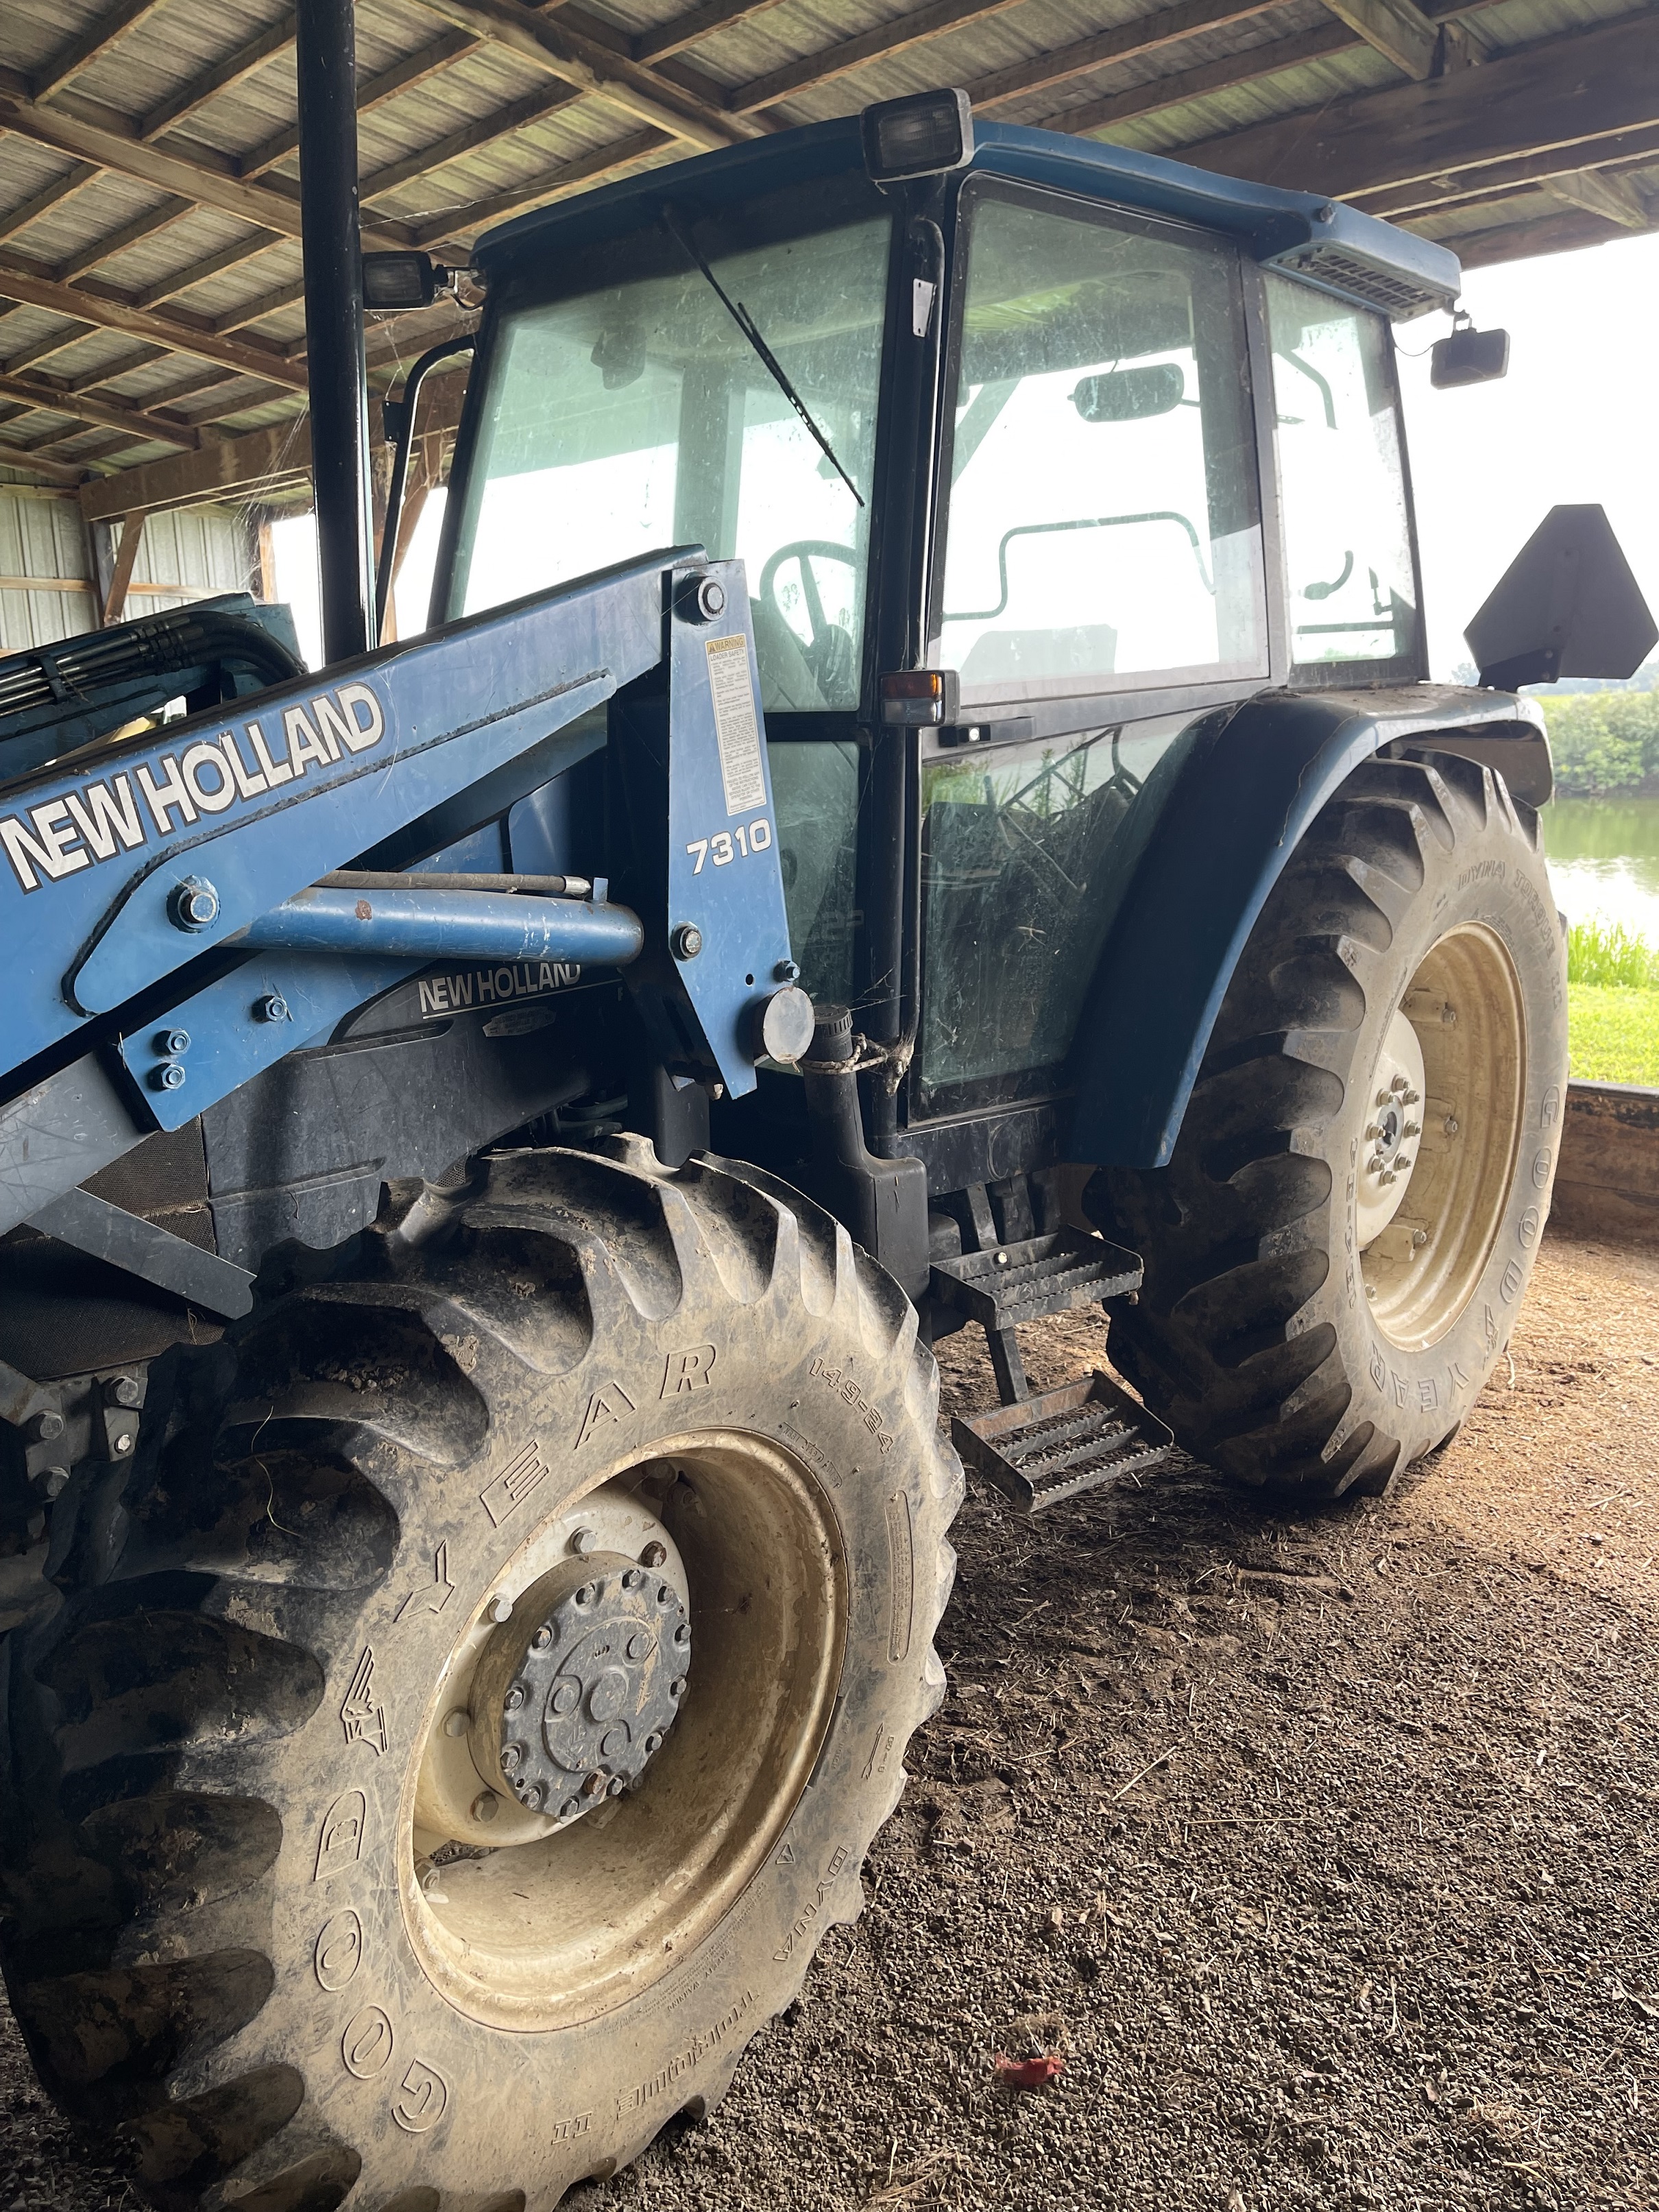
(226,1924)
(1310,1320)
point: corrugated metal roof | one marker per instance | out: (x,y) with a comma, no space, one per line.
(160,175)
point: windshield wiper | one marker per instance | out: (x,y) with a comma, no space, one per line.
(745,322)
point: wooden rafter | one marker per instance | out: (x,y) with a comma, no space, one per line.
(150,224)
(213,265)
(413,70)
(1498,180)
(1177,87)
(85,48)
(42,348)
(224,76)
(20,457)
(815,70)
(1570,91)
(20,281)
(58,399)
(500,123)
(74,179)
(1145,34)
(460,224)
(631,87)
(126,553)
(685,30)
(1397,29)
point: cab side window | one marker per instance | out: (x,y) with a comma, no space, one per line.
(1103,521)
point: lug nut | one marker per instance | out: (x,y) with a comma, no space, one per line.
(595,1785)
(499,1607)
(676,1687)
(584,1543)
(1383,1098)
(458,1721)
(541,1638)
(586,1595)
(654,1554)
(1411,1098)
(532,1800)
(511,1702)
(682,1633)
(1397,1083)
(512,1758)
(652,1743)
(1372,1132)
(485,1806)
(618,1783)
(1413,1129)
(570,1808)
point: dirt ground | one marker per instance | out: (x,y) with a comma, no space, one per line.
(1324,1850)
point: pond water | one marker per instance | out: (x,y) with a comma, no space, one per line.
(1604,860)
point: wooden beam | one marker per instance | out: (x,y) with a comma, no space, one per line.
(150,225)
(1144,35)
(84,49)
(225,468)
(126,553)
(1562,233)
(213,265)
(1497,179)
(823,68)
(460,223)
(20,282)
(79,174)
(1570,91)
(57,340)
(413,69)
(501,123)
(1614,198)
(696,23)
(19,457)
(90,379)
(254,311)
(629,86)
(43,392)
(1177,87)
(99,134)
(1400,32)
(220,78)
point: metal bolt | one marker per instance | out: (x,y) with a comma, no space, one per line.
(167,1076)
(652,1744)
(458,1721)
(1402,1161)
(273,1007)
(585,1543)
(1372,1132)
(47,1427)
(570,1808)
(1451,1125)
(512,1758)
(1397,1083)
(711,597)
(1000,1259)
(193,904)
(595,1785)
(618,1783)
(512,1701)
(486,1805)
(55,1481)
(121,1445)
(1411,1098)
(632,1578)
(1383,1098)
(665,1595)
(654,1554)
(532,1800)
(676,1687)
(787,971)
(686,941)
(500,1606)
(1388,1175)
(1413,1129)
(124,1390)
(1370,1290)
(1448,1015)
(682,1633)
(1419,1238)
(587,1594)
(172,1042)
(541,1638)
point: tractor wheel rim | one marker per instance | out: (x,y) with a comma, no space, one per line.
(568,1917)
(1454,1059)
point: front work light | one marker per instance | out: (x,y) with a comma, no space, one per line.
(920,137)
(1469,356)
(394,282)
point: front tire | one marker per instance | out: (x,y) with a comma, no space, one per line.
(260,1905)
(1337,1251)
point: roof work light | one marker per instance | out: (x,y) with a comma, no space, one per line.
(920,137)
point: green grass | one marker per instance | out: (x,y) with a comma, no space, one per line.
(1604,954)
(1612,1033)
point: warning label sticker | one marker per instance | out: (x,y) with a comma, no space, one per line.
(735,726)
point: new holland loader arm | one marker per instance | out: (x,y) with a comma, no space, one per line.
(178,923)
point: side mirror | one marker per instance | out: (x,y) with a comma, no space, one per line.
(1129,395)
(1566,606)
(1469,356)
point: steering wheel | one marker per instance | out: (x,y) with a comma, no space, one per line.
(829,654)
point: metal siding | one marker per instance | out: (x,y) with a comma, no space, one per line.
(41,535)
(202,549)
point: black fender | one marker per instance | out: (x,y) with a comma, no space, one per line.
(1244,793)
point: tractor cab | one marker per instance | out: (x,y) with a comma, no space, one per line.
(1035,452)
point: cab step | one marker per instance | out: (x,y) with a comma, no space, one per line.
(1005,1284)
(1082,1437)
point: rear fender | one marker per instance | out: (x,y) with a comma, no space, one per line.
(1241,802)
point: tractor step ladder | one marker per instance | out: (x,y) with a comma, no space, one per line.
(1039,1450)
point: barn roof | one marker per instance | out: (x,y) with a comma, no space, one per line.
(150,297)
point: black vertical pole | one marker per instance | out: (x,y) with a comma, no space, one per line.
(327,59)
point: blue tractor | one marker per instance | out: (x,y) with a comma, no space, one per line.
(920,804)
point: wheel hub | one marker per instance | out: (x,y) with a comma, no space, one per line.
(575,1691)
(1392,1130)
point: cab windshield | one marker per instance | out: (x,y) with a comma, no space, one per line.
(635,414)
